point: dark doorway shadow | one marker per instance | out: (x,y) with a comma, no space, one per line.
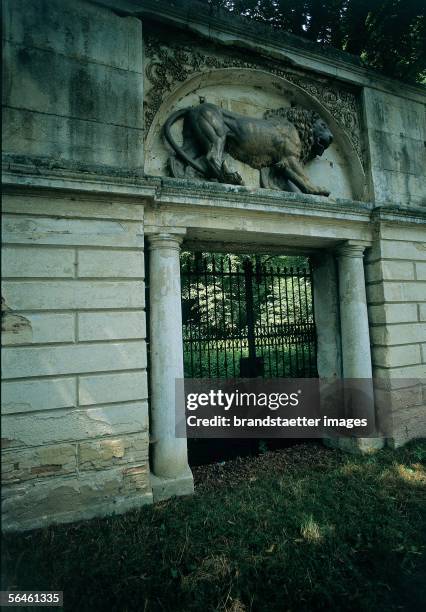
(202,451)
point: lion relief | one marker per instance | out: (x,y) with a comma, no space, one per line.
(278,145)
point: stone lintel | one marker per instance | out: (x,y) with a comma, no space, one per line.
(42,175)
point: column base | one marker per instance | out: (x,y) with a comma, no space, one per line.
(356,446)
(164,488)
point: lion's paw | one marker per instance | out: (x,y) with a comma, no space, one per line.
(237,178)
(234,178)
(322,191)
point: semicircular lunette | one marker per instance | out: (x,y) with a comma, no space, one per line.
(253,96)
(169,64)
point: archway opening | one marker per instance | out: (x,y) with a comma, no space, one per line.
(246,316)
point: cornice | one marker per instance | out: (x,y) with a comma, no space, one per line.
(217,195)
(400,214)
(42,174)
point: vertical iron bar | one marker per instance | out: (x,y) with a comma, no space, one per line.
(268,338)
(248,277)
(191,345)
(231,302)
(288,322)
(240,335)
(197,272)
(224,330)
(294,320)
(216,322)
(282,336)
(300,326)
(206,282)
(259,325)
(275,337)
(308,322)
(312,301)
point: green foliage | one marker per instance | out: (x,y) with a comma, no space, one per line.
(215,314)
(223,299)
(308,529)
(388,35)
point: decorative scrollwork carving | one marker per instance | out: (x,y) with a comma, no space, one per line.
(169,63)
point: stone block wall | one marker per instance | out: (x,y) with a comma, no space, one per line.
(72,83)
(396,132)
(74,407)
(75,417)
(396,292)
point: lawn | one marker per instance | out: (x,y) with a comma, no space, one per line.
(304,528)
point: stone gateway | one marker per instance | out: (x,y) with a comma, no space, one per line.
(136,131)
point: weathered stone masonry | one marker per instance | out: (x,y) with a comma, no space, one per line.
(87,88)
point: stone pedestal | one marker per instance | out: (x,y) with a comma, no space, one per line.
(171,472)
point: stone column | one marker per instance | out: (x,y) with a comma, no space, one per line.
(327,315)
(355,334)
(171,472)
(355,337)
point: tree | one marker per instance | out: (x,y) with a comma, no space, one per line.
(388,35)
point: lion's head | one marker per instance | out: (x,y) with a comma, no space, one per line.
(314,133)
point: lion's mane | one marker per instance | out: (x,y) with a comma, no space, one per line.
(303,120)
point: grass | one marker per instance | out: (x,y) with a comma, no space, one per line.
(305,528)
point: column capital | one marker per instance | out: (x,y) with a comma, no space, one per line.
(165,240)
(350,249)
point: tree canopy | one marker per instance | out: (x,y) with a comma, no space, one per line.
(388,35)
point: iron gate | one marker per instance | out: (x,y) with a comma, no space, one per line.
(243,317)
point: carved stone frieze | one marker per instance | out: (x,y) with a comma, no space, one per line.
(170,63)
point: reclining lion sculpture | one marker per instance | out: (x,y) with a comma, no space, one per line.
(278,145)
